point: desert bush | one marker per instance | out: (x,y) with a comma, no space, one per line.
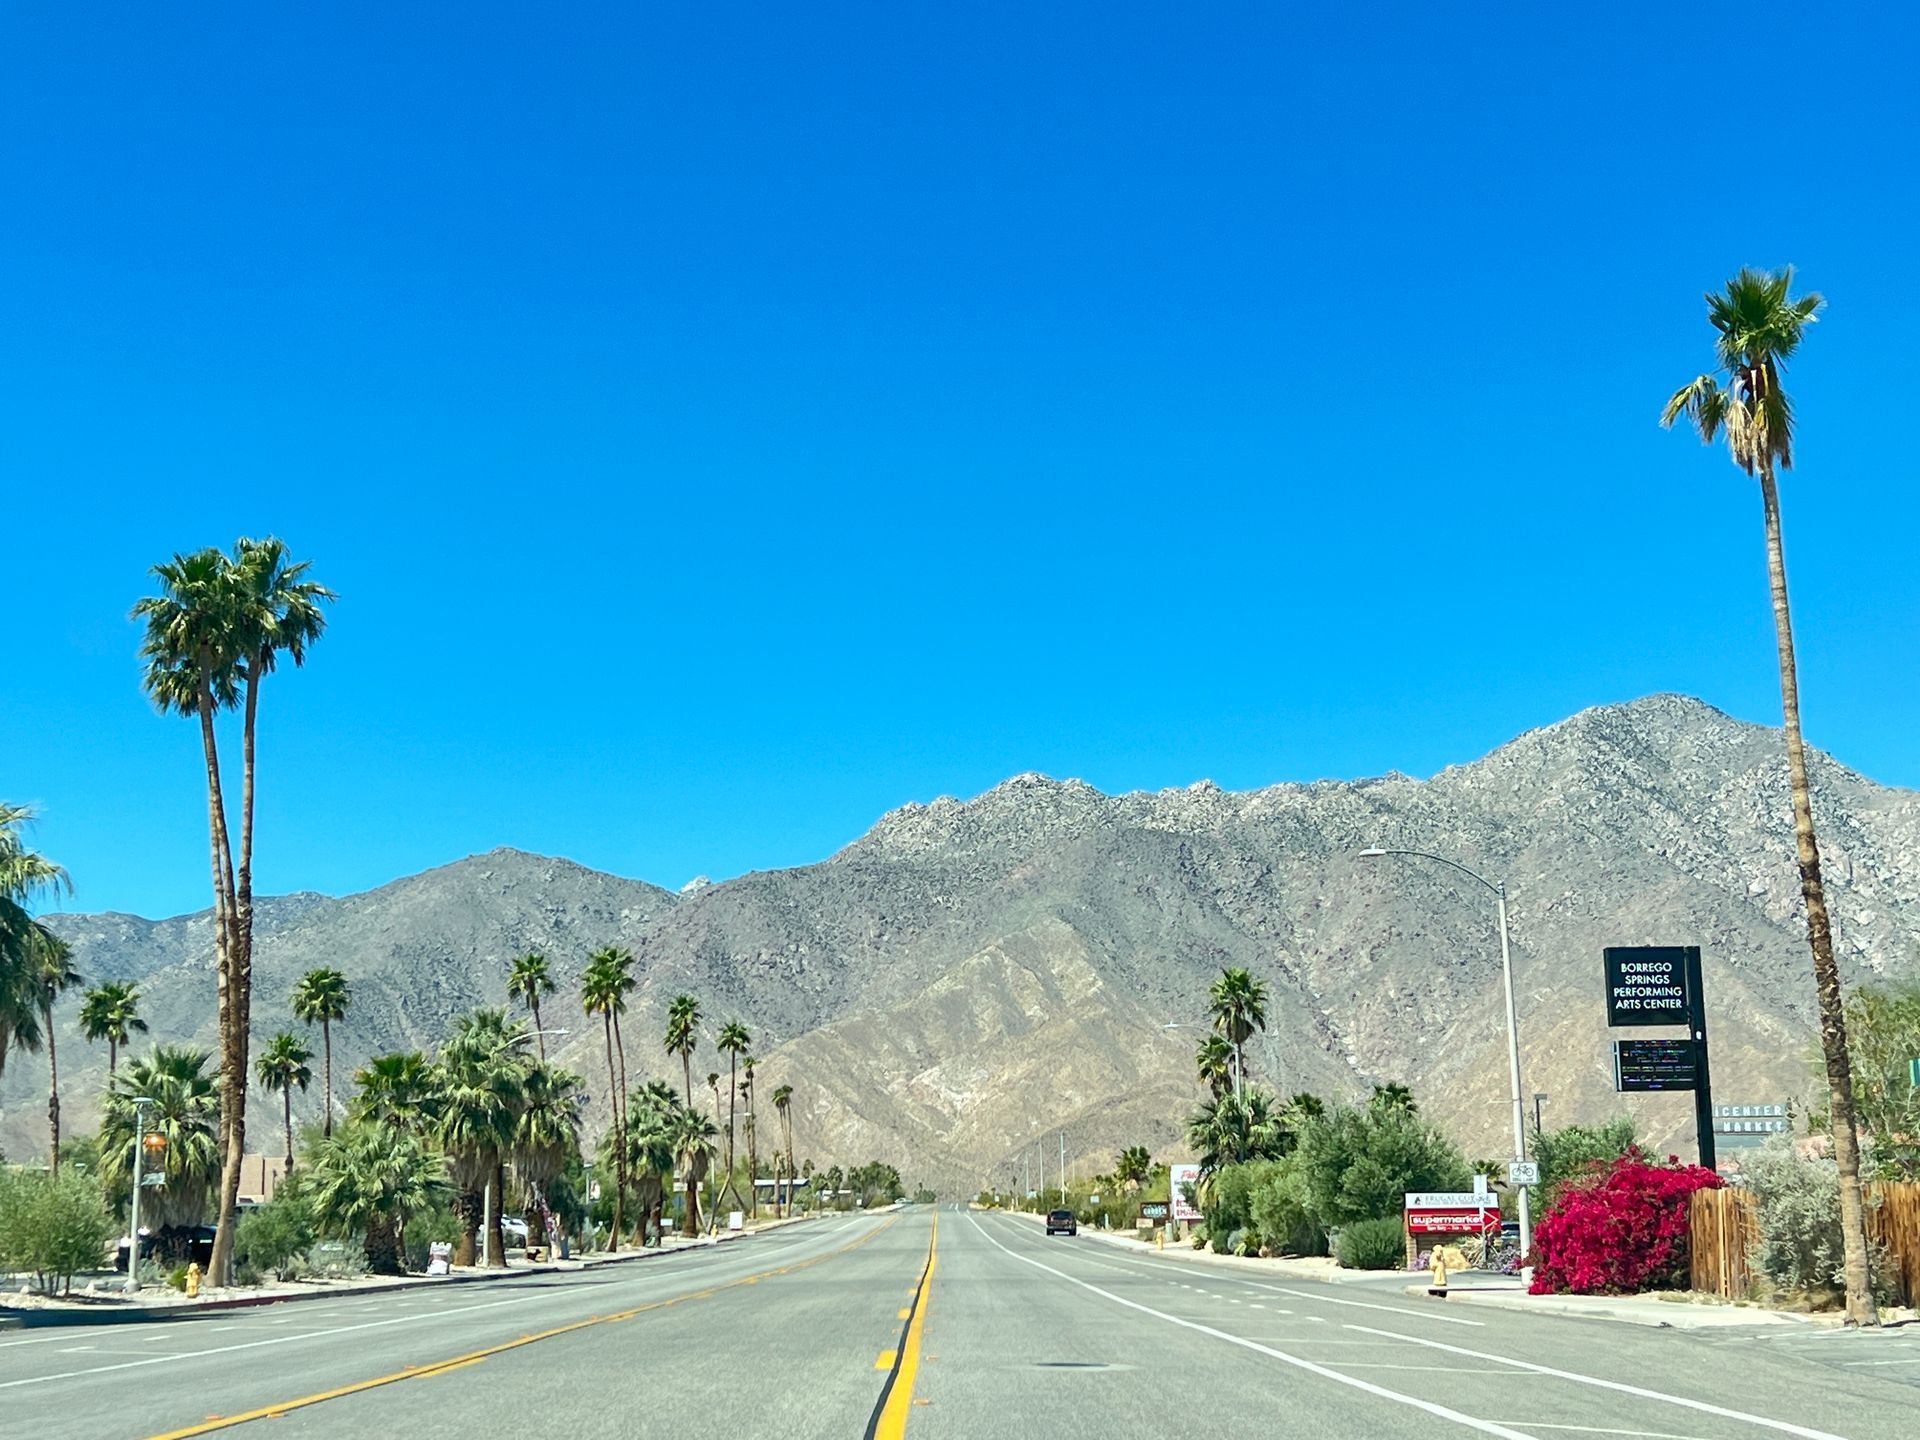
(1799,1250)
(1378,1244)
(1620,1229)
(1359,1164)
(1574,1150)
(52,1226)
(337,1260)
(276,1237)
(1280,1211)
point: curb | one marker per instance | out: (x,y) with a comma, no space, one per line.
(37,1319)
(1675,1317)
(1183,1253)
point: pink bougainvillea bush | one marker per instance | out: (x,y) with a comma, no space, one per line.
(1619,1229)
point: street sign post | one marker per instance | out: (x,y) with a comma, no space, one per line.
(1153,1210)
(1179,1178)
(1660,985)
(1523,1172)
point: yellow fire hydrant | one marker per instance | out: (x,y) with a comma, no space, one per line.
(193,1280)
(1445,1258)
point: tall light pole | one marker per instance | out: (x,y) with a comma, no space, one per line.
(1499,889)
(1173,1228)
(140,1103)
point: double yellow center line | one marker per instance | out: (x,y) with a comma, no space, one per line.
(889,1420)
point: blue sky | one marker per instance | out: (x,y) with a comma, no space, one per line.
(724,424)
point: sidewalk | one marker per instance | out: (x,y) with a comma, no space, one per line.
(114,1308)
(1322,1269)
(1682,1312)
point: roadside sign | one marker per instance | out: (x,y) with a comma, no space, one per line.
(593,1191)
(1646,984)
(1153,1210)
(1523,1172)
(1451,1212)
(1913,1073)
(153,1178)
(1652,1065)
(1179,1178)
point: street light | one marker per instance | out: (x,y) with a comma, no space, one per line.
(1173,1227)
(140,1103)
(1499,889)
(1540,1097)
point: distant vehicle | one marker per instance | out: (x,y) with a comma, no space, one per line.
(1061,1222)
(183,1243)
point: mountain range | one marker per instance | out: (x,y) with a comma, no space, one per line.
(971,978)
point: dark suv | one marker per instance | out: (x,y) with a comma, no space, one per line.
(1061,1222)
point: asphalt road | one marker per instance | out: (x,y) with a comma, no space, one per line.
(877,1325)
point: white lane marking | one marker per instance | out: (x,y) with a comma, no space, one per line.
(1486,1427)
(1602,1430)
(1704,1406)
(1430,1369)
(1370,1305)
(1914,1361)
(43,1340)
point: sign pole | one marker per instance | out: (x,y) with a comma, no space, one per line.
(1703,1087)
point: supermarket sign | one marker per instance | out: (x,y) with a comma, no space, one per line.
(1452,1212)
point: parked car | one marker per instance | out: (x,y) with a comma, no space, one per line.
(1061,1222)
(177,1243)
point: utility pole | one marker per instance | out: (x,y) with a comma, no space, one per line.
(1063,1167)
(140,1103)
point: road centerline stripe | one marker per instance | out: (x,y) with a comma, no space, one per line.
(889,1419)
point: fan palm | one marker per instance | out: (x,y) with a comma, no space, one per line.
(753,1155)
(397,1090)
(1134,1168)
(285,1065)
(1758,327)
(783,1106)
(683,1035)
(527,981)
(653,1111)
(1237,1128)
(322,998)
(1395,1098)
(480,1087)
(185,1112)
(603,991)
(111,1012)
(1214,1060)
(52,976)
(546,1133)
(693,1150)
(24,875)
(732,1041)
(372,1179)
(1238,1005)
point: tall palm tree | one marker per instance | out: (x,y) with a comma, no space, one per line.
(1237,1128)
(653,1112)
(53,976)
(185,1112)
(285,1065)
(713,1084)
(1758,326)
(783,1106)
(370,1180)
(217,628)
(1135,1167)
(603,991)
(322,998)
(753,1154)
(733,1041)
(1238,1004)
(1214,1060)
(527,981)
(692,1136)
(1393,1098)
(546,1134)
(397,1090)
(480,1090)
(111,1012)
(24,875)
(683,1035)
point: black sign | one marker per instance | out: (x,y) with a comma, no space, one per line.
(1655,1065)
(1153,1210)
(1647,985)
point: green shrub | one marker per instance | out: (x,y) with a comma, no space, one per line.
(177,1278)
(1280,1211)
(1575,1150)
(439,1223)
(276,1237)
(1378,1244)
(1359,1164)
(337,1260)
(1799,1250)
(53,1226)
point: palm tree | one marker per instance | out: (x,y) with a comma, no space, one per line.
(683,1035)
(546,1135)
(733,1042)
(185,1113)
(111,1012)
(284,1065)
(527,981)
(783,1106)
(321,998)
(1238,1004)
(753,1156)
(1235,1129)
(603,991)
(653,1112)
(480,1087)
(692,1136)
(24,875)
(1758,326)
(1214,1060)
(371,1179)
(213,634)
(397,1090)
(1135,1167)
(53,976)
(1387,1099)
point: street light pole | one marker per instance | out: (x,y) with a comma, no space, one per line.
(1499,889)
(140,1103)
(1173,1228)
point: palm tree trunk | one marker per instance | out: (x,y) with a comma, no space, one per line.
(286,1101)
(753,1166)
(620,1120)
(113,1055)
(497,1231)
(232,1080)
(53,1089)
(686,1067)
(733,1094)
(466,1206)
(240,960)
(619,1148)
(539,1035)
(690,1226)
(1826,973)
(326,1047)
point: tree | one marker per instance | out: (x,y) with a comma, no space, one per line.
(1238,1004)
(527,980)
(603,991)
(321,998)
(783,1106)
(1134,1168)
(371,1180)
(653,1113)
(213,634)
(1758,326)
(1213,1059)
(683,1035)
(480,1086)
(24,875)
(185,1113)
(753,1157)
(733,1042)
(1359,1164)
(693,1137)
(56,1226)
(53,976)
(111,1012)
(1883,1035)
(1393,1097)
(713,1084)
(546,1132)
(1234,1129)
(399,1089)
(285,1065)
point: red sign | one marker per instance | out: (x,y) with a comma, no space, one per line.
(1452,1213)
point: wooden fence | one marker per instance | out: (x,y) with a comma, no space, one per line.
(1725,1225)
